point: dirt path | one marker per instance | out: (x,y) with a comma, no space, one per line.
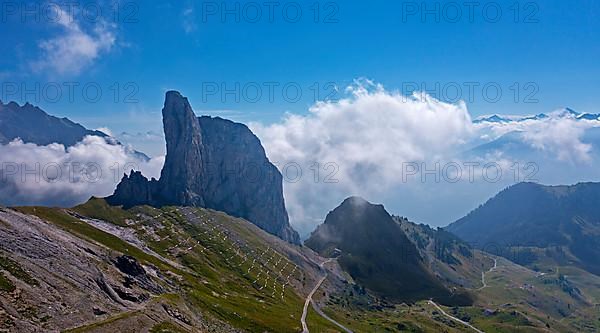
(309,300)
(484,284)
(322,314)
(454,318)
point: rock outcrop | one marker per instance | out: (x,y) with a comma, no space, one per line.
(183,175)
(134,190)
(212,163)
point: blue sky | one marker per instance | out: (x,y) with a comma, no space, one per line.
(551,49)
(259,69)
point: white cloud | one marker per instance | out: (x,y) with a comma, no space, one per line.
(368,136)
(75,49)
(188,21)
(373,133)
(55,175)
(559,135)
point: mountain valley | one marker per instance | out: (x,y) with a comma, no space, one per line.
(204,250)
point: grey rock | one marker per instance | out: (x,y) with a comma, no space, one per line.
(32,125)
(128,265)
(212,163)
(134,190)
(183,174)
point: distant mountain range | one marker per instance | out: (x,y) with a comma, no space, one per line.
(564,113)
(552,141)
(530,217)
(31,124)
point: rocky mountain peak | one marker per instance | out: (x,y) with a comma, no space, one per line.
(213,163)
(376,252)
(184,153)
(356,212)
(354,200)
(32,125)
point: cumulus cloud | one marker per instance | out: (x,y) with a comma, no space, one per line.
(359,145)
(57,176)
(559,135)
(364,145)
(74,49)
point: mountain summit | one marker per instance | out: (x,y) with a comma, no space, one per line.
(540,218)
(376,252)
(212,163)
(558,114)
(32,125)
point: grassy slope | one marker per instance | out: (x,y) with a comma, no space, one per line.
(517,292)
(223,290)
(97,208)
(209,283)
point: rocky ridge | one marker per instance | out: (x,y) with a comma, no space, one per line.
(212,163)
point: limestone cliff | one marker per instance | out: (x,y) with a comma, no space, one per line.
(212,163)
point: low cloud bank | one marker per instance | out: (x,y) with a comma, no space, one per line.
(53,175)
(421,157)
(406,151)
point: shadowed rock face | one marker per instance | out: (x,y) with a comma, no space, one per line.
(134,190)
(212,163)
(183,174)
(32,125)
(240,180)
(377,253)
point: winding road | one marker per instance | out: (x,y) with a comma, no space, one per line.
(454,318)
(484,284)
(309,300)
